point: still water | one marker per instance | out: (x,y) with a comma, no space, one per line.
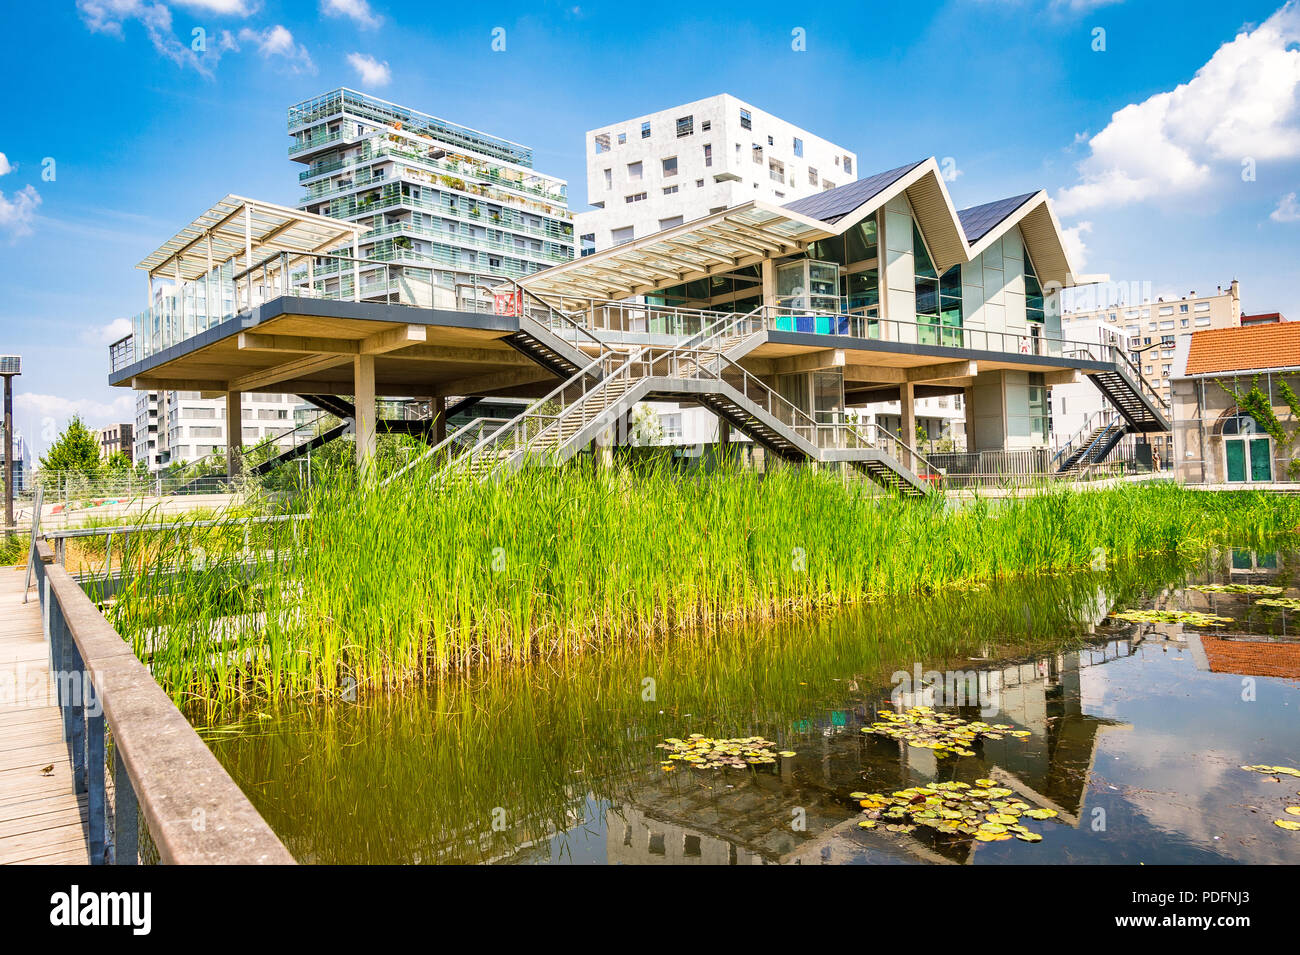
(1136,737)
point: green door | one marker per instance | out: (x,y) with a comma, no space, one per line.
(1261,465)
(1234,450)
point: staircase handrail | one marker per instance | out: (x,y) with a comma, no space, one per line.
(454,438)
(1088,428)
(580,379)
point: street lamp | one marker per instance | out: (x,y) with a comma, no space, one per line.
(10,366)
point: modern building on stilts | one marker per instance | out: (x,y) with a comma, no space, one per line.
(780,319)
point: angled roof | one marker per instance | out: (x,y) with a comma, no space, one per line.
(834,204)
(1257,348)
(749,232)
(978,221)
(234,224)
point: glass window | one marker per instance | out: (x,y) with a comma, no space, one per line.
(685,126)
(708,154)
(622,138)
(848,165)
(812,175)
(860,242)
(645,130)
(1034,307)
(921,256)
(602,143)
(861,290)
(798,146)
(746,121)
(938,297)
(670,166)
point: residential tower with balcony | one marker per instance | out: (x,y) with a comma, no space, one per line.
(431,194)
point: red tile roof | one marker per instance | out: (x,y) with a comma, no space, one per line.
(1252,659)
(1244,349)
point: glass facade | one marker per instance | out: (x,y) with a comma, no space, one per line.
(1034,310)
(938,298)
(738,291)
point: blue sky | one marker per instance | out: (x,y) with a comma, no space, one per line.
(1170,140)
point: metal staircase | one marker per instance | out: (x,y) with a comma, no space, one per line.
(1093,443)
(596,396)
(1126,388)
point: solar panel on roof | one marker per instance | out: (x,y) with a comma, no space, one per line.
(834,204)
(977,221)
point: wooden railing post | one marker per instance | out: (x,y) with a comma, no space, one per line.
(73,667)
(96,822)
(126,815)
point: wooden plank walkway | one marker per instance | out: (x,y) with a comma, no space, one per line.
(42,821)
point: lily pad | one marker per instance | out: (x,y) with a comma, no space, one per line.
(1273,770)
(703,752)
(1191,618)
(1262,590)
(1286,603)
(943,733)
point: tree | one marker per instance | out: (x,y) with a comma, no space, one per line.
(75,450)
(118,463)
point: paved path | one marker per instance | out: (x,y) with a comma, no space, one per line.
(41,819)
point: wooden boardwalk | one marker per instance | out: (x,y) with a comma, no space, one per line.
(42,821)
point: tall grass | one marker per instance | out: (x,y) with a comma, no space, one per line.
(416,776)
(392,583)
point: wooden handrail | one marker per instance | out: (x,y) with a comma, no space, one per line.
(195,813)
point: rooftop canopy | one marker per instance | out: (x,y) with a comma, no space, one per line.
(235,227)
(754,230)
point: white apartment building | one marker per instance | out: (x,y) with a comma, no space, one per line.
(653,172)
(1152,330)
(432,193)
(657,171)
(183,427)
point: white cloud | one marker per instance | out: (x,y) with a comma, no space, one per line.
(6,167)
(1288,210)
(107,334)
(1242,104)
(224,8)
(108,16)
(1082,6)
(60,409)
(1075,247)
(277,42)
(16,214)
(356,10)
(371,71)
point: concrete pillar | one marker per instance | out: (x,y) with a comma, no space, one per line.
(968,404)
(907,403)
(363,393)
(768,273)
(234,431)
(439,410)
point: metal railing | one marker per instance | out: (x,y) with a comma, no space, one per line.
(548,425)
(160,772)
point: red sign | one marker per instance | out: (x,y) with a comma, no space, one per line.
(511,303)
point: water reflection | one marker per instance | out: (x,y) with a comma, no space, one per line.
(1136,735)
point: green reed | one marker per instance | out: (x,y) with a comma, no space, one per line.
(417,776)
(388,584)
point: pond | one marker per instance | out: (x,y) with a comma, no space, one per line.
(1129,738)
